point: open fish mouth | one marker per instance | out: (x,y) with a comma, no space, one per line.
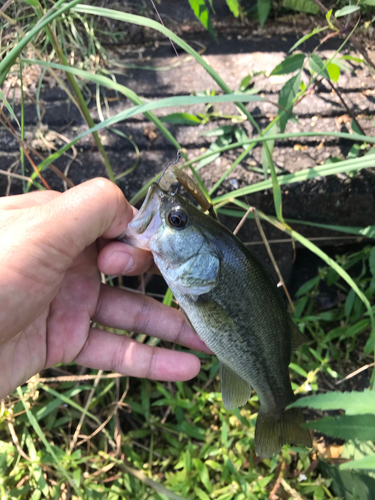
(146,223)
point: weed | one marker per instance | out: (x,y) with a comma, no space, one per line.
(87,435)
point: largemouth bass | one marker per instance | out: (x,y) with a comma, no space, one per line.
(234,306)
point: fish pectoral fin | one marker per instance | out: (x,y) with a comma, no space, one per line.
(298,338)
(234,389)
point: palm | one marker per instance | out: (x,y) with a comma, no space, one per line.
(50,290)
(59,333)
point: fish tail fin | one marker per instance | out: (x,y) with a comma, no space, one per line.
(272,432)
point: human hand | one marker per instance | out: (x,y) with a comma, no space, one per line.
(50,290)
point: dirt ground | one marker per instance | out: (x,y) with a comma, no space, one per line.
(243,48)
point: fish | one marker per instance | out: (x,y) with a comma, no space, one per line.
(234,306)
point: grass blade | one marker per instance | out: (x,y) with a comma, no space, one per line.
(9,108)
(12,55)
(302,175)
(128,113)
(353,403)
(39,432)
(109,83)
(368,232)
(70,402)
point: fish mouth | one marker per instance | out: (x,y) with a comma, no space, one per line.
(146,222)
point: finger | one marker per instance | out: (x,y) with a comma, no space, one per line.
(76,218)
(137,312)
(118,259)
(108,351)
(27,200)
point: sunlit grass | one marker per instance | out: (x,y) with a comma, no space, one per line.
(147,440)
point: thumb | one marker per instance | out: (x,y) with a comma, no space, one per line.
(39,243)
(77,218)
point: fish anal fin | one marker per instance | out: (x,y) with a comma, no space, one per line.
(298,338)
(271,432)
(234,389)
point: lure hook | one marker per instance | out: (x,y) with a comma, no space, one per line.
(170,163)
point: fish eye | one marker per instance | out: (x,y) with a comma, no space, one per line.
(178,218)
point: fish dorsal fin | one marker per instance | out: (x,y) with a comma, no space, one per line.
(297,337)
(234,389)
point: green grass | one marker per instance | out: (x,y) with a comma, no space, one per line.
(139,439)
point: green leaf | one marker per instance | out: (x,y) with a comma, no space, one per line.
(306,37)
(286,98)
(354,403)
(168,297)
(328,17)
(56,402)
(356,130)
(372,261)
(307,6)
(265,159)
(245,82)
(289,65)
(352,58)
(234,7)
(357,328)
(201,11)
(219,131)
(203,474)
(333,71)
(212,158)
(367,2)
(263,7)
(348,485)
(349,302)
(70,402)
(308,173)
(354,150)
(142,108)
(33,3)
(345,11)
(181,119)
(9,108)
(38,475)
(361,427)
(299,370)
(317,65)
(364,463)
(40,434)
(240,135)
(340,63)
(321,170)
(193,431)
(354,449)
(201,494)
(306,287)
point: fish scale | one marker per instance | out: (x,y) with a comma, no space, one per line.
(233,304)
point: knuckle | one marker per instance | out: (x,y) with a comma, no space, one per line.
(150,368)
(142,315)
(119,355)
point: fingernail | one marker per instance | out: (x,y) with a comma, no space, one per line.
(129,266)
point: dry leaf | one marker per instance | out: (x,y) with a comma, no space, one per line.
(150,133)
(342,119)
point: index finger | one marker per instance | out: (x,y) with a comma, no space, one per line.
(137,312)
